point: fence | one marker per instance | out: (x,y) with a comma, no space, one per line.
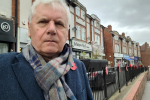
(104,86)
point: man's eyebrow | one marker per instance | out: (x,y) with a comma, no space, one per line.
(60,20)
(42,18)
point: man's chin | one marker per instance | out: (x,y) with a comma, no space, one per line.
(51,51)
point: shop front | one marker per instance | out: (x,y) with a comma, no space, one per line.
(118,59)
(7,41)
(136,59)
(140,59)
(132,61)
(127,60)
(81,49)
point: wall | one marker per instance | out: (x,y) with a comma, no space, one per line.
(80,21)
(72,32)
(25,6)
(108,43)
(88,31)
(6,8)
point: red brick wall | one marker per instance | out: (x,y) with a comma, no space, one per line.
(13,17)
(145,55)
(108,46)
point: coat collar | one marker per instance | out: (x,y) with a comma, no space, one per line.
(25,76)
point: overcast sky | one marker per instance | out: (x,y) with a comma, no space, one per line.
(129,16)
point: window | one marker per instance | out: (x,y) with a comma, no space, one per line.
(82,14)
(135,52)
(130,43)
(116,47)
(96,24)
(3,48)
(134,45)
(124,41)
(78,11)
(130,51)
(83,34)
(97,39)
(116,37)
(78,32)
(124,49)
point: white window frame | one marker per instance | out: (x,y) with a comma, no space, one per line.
(130,43)
(78,36)
(116,47)
(134,52)
(124,49)
(83,34)
(78,11)
(98,40)
(116,37)
(82,14)
(124,41)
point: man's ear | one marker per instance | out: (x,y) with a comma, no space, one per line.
(29,34)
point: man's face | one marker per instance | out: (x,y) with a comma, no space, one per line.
(48,30)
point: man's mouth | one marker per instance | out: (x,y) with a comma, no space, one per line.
(50,41)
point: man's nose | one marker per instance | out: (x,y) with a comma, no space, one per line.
(51,28)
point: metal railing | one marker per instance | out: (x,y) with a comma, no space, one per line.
(104,86)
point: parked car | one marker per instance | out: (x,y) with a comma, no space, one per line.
(96,79)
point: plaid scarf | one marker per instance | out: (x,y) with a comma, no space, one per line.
(49,76)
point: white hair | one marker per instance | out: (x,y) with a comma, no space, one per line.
(56,4)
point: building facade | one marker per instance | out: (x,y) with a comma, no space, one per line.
(108,45)
(8,20)
(145,54)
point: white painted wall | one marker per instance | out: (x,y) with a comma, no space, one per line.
(25,6)
(71,9)
(97,31)
(88,31)
(80,21)
(92,33)
(72,33)
(102,39)
(6,8)
(87,19)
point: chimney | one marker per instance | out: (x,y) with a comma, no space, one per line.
(123,34)
(110,27)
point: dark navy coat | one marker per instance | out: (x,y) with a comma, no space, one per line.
(17,81)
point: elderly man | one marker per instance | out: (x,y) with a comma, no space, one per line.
(45,70)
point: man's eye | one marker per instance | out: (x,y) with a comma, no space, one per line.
(43,22)
(59,24)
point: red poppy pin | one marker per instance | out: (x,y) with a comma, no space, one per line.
(74,67)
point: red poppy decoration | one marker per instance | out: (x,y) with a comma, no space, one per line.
(130,66)
(106,70)
(74,67)
(119,68)
(126,67)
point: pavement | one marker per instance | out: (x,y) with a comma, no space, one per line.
(146,94)
(126,89)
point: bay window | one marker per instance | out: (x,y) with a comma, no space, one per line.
(83,34)
(78,11)
(80,33)
(82,14)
